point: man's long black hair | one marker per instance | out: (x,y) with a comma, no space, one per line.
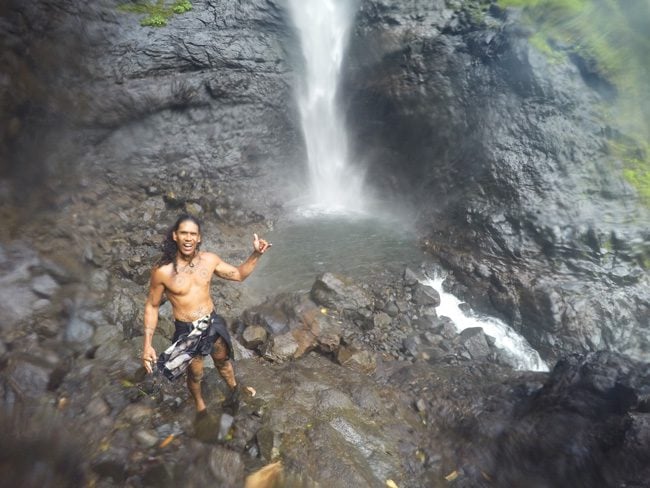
(169,247)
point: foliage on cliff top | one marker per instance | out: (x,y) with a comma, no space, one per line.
(158,12)
(610,36)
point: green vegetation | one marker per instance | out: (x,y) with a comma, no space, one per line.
(636,165)
(540,42)
(158,12)
(610,36)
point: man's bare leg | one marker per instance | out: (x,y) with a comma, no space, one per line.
(223,364)
(227,372)
(194,377)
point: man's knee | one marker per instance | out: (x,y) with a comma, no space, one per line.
(195,376)
(220,360)
(195,371)
(220,352)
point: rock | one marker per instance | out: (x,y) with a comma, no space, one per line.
(587,401)
(358,359)
(158,474)
(444,327)
(146,438)
(136,413)
(338,293)
(474,340)
(111,350)
(403,306)
(226,466)
(425,295)
(325,329)
(226,422)
(106,334)
(48,327)
(123,311)
(538,251)
(45,286)
(269,316)
(111,466)
(637,437)
(97,407)
(381,320)
(421,405)
(412,278)
(16,302)
(391,309)
(333,399)
(194,209)
(269,443)
(29,374)
(78,331)
(280,347)
(411,345)
(295,325)
(253,336)
(99,280)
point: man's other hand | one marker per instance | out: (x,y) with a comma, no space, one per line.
(149,358)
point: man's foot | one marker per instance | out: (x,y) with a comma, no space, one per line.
(231,403)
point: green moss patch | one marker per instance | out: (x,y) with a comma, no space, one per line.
(636,164)
(610,37)
(158,13)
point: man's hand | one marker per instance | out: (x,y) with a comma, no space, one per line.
(149,358)
(260,245)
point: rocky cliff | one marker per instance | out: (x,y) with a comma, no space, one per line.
(505,152)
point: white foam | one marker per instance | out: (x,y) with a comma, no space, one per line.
(520,353)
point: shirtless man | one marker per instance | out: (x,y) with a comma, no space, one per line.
(184,274)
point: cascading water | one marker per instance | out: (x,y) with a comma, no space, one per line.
(324,27)
(519,353)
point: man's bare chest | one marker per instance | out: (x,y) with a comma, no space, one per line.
(189,280)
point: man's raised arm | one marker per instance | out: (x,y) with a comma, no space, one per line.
(241,272)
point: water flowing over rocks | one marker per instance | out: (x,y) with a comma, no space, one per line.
(358,381)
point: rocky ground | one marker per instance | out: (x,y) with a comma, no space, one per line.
(355,383)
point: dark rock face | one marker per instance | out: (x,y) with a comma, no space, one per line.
(583,428)
(507,159)
(182,113)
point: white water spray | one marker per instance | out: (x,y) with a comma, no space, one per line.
(324,27)
(522,356)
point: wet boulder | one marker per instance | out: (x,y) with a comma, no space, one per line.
(29,376)
(588,412)
(341,294)
(288,326)
(475,342)
(253,336)
(425,296)
(357,359)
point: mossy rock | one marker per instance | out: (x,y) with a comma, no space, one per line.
(609,39)
(157,13)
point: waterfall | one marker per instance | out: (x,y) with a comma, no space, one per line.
(324,27)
